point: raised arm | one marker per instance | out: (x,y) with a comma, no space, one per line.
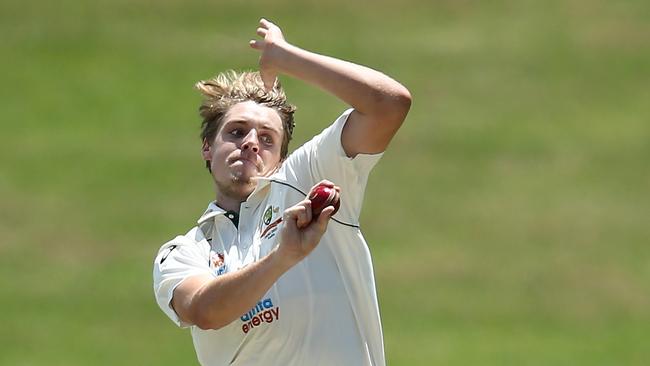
(380,103)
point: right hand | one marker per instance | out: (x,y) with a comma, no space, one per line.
(299,234)
(270,47)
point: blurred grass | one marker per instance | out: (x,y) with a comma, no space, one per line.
(508,220)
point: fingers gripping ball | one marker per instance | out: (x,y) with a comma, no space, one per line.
(322,196)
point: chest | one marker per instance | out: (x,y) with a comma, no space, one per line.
(308,302)
(260,221)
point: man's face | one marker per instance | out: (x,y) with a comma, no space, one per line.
(247,145)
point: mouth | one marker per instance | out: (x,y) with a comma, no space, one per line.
(245,162)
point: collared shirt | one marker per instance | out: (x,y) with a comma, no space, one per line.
(324,310)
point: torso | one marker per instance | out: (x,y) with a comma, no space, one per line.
(306,312)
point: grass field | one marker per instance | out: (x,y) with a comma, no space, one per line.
(509,220)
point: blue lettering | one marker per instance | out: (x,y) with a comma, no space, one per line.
(264,304)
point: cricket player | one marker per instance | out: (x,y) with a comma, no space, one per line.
(259,281)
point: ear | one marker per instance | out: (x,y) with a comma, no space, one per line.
(206,150)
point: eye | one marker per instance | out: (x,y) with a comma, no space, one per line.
(237,132)
(267,139)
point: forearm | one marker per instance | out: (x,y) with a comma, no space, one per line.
(368,91)
(222,300)
(211,303)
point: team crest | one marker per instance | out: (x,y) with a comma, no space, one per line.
(267,218)
(268,215)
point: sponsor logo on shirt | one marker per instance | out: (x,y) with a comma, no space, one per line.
(167,253)
(263,313)
(218,263)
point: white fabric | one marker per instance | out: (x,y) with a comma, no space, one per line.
(324,310)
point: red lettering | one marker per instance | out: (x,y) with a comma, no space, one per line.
(267,316)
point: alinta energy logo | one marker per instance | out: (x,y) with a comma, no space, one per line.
(263,313)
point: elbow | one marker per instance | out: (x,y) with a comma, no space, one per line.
(207,324)
(206,321)
(403,101)
(204,316)
(395,106)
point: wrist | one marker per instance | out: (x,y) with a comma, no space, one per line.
(280,261)
(283,52)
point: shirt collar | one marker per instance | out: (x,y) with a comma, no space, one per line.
(213,210)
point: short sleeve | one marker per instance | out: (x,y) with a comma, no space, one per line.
(323,157)
(177,260)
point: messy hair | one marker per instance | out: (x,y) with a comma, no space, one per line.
(232,87)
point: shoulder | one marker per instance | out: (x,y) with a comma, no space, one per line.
(193,239)
(325,146)
(194,236)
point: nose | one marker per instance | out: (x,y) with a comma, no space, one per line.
(251,142)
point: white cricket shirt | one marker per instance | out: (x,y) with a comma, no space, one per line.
(324,310)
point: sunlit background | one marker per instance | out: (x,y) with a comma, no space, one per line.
(509,220)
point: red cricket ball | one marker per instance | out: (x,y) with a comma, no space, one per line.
(322,196)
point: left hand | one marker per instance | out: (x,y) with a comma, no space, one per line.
(270,46)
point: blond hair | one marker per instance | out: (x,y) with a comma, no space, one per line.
(232,87)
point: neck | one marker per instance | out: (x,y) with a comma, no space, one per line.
(230,197)
(229,203)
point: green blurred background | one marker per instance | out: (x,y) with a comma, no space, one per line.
(509,220)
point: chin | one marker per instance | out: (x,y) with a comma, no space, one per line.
(244,177)
(239,185)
